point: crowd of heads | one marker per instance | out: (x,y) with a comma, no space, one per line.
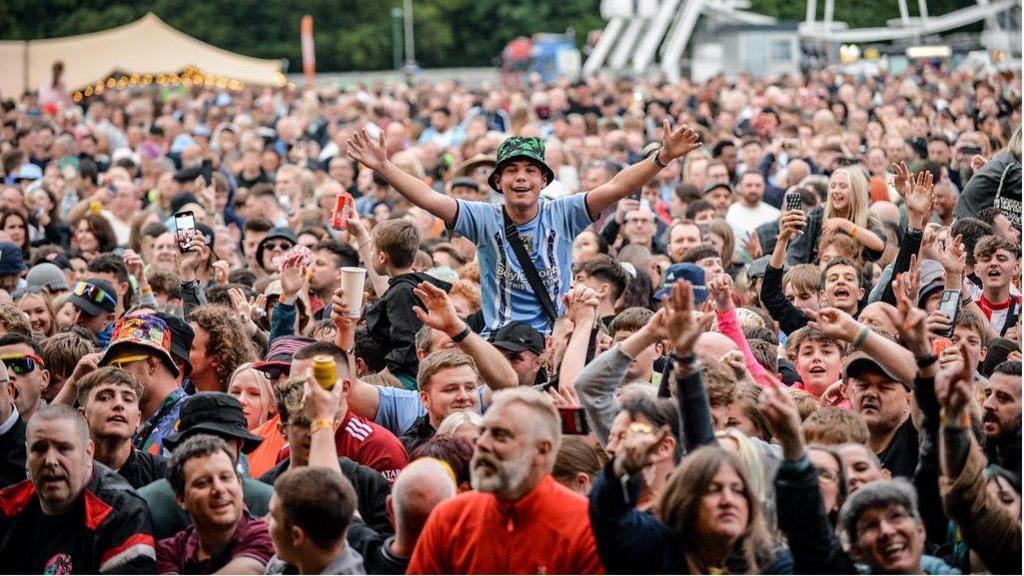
(766,325)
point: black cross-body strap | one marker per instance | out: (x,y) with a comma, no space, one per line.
(526,263)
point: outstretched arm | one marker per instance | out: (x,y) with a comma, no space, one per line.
(495,370)
(674,144)
(373,155)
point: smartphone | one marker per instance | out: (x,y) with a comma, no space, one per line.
(573,421)
(184,228)
(941,344)
(635,194)
(794,201)
(207,171)
(343,208)
(950,306)
(970,150)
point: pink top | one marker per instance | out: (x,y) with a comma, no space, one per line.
(729,324)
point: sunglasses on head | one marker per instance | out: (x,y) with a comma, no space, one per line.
(92,293)
(272,372)
(22,363)
(126,360)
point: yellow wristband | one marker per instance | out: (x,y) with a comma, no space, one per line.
(853,233)
(321,424)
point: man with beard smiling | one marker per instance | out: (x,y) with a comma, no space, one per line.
(1002,416)
(109,400)
(544,527)
(223,537)
(73,516)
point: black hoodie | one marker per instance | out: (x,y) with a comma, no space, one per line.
(392,323)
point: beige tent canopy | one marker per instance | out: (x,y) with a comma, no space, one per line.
(147,46)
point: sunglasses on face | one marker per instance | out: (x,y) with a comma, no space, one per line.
(279,246)
(92,293)
(22,363)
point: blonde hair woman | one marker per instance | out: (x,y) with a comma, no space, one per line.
(845,211)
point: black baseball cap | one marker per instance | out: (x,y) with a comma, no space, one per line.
(519,336)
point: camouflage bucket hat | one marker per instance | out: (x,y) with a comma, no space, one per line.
(520,148)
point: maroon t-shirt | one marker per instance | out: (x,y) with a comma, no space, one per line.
(178,554)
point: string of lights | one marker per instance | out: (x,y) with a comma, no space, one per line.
(189,77)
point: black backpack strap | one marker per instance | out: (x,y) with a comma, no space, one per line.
(526,263)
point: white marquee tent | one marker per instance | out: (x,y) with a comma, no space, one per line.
(148,45)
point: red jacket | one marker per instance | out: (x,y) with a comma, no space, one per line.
(545,532)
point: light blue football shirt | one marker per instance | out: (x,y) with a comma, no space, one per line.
(506,293)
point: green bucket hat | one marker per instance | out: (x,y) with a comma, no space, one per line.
(520,148)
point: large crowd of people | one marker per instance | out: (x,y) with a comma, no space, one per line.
(745,325)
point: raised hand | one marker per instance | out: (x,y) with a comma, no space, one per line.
(294,276)
(364,150)
(954,258)
(680,142)
(317,403)
(834,323)
(134,264)
(919,196)
(720,287)
(911,321)
(341,315)
(638,446)
(221,271)
(783,419)
(581,305)
(682,323)
(792,224)
(978,162)
(440,313)
(902,182)
(358,235)
(954,384)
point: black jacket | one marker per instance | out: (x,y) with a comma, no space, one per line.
(392,324)
(12,455)
(417,434)
(801,514)
(789,317)
(981,190)
(107,530)
(374,547)
(371,488)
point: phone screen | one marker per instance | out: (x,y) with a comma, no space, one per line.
(950,306)
(184,226)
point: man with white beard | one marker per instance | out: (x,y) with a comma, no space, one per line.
(515,496)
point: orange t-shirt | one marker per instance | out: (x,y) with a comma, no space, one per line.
(263,458)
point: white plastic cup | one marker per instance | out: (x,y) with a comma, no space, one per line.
(352,281)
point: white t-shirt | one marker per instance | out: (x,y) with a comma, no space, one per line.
(744,220)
